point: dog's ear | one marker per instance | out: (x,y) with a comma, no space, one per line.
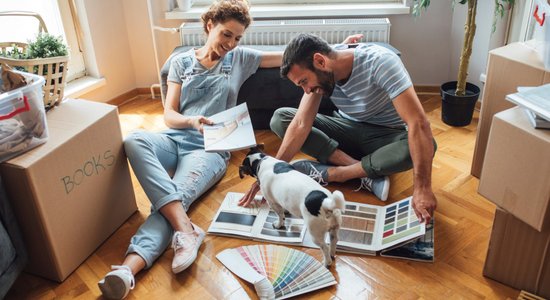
(244,170)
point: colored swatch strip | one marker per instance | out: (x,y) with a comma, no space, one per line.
(288,270)
(400,221)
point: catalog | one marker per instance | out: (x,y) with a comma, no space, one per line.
(365,228)
(232,130)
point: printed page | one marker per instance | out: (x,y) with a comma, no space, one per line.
(232,219)
(292,232)
(232,130)
(358,230)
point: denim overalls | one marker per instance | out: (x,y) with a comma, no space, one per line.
(154,156)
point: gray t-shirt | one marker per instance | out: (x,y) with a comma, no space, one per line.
(378,77)
(245,63)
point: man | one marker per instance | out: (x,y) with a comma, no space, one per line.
(380,127)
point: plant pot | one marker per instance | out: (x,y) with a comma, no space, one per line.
(458,110)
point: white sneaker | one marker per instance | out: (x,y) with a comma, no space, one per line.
(380,187)
(186,247)
(117,283)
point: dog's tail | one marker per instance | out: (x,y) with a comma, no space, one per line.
(336,205)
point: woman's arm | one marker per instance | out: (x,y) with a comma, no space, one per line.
(275,58)
(172,117)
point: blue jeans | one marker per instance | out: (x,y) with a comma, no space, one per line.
(154,157)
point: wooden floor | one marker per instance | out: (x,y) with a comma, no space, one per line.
(463,226)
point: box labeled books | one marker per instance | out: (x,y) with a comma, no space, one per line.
(365,228)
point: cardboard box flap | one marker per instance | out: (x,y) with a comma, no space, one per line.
(520,52)
(67,119)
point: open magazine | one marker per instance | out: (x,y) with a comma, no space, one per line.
(232,130)
(365,228)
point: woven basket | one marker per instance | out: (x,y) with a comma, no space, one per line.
(53,69)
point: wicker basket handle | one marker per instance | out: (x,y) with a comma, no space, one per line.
(41,25)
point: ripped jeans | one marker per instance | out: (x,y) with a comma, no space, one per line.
(153,157)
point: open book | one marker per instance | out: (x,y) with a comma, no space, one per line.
(365,228)
(536,99)
(232,130)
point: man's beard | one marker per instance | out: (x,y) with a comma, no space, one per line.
(326,81)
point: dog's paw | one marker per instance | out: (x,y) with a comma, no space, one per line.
(278,224)
(327,263)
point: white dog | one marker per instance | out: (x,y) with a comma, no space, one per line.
(285,188)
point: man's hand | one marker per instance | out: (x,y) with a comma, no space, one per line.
(352,39)
(424,204)
(198,121)
(249,196)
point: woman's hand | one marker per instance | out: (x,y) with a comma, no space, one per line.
(352,39)
(198,122)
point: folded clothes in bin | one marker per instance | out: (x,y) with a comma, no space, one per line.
(22,117)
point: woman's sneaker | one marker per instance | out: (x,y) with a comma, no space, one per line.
(117,283)
(380,187)
(313,169)
(186,247)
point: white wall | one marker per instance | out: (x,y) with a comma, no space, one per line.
(123,43)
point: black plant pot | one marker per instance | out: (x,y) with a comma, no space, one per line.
(458,110)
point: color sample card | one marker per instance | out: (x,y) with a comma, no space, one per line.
(399,221)
(358,224)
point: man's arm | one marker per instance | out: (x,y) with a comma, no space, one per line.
(300,127)
(294,138)
(421,148)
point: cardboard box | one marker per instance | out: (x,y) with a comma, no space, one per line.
(516,170)
(72,192)
(518,255)
(508,67)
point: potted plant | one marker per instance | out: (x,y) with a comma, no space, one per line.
(459,97)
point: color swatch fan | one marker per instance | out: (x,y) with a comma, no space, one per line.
(277,272)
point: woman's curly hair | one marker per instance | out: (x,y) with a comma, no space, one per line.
(222,11)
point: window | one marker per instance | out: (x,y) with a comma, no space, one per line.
(253,2)
(59,21)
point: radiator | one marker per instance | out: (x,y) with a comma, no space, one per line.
(279,32)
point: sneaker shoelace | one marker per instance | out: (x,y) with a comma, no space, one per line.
(179,239)
(366,183)
(128,272)
(317,175)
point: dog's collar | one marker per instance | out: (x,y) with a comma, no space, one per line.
(258,168)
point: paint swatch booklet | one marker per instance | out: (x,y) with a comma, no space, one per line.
(232,130)
(276,272)
(365,228)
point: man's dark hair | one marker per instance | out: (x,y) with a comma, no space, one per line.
(300,52)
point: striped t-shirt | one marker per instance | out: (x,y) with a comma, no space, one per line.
(378,77)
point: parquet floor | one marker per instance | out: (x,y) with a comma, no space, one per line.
(463,226)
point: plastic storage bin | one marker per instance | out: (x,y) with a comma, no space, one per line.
(22,118)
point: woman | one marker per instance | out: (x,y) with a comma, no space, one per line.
(201,82)
(172,166)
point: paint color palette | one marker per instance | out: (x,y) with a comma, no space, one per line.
(399,221)
(373,228)
(290,272)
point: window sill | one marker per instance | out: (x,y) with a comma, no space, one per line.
(81,86)
(303,10)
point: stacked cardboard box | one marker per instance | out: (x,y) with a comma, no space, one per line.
(72,192)
(516,177)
